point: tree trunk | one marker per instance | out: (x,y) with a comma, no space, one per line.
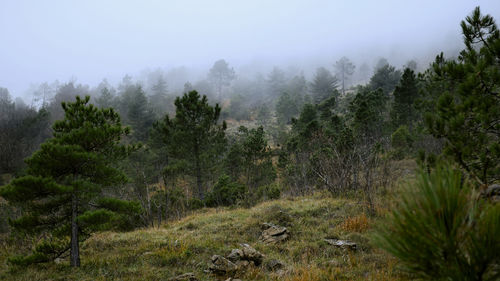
(201,194)
(159,218)
(343,84)
(167,200)
(75,250)
(165,183)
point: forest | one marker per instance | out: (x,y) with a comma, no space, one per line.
(416,150)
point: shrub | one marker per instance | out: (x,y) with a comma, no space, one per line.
(225,192)
(194,204)
(270,191)
(441,230)
(401,141)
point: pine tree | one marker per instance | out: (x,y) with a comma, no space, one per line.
(439,230)
(139,115)
(62,194)
(467,110)
(194,135)
(367,109)
(276,82)
(106,98)
(159,100)
(406,93)
(221,76)
(385,78)
(324,85)
(287,107)
(256,155)
(345,68)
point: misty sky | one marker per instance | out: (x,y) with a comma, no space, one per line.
(93,39)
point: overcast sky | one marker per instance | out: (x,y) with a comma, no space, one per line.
(45,40)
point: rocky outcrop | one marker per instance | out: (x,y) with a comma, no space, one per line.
(184,277)
(220,265)
(246,253)
(237,260)
(273,234)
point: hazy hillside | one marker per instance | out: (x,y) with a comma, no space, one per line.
(262,140)
(188,245)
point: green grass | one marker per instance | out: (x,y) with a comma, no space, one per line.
(187,245)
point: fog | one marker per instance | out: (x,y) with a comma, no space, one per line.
(91,40)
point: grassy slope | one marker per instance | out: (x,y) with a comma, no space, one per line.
(187,245)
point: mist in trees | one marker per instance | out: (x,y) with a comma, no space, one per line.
(344,69)
(220,75)
(155,145)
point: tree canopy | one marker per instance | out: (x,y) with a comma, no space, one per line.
(62,194)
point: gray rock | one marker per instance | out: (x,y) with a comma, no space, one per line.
(344,244)
(250,254)
(184,277)
(221,265)
(273,234)
(246,253)
(243,264)
(237,260)
(235,255)
(274,264)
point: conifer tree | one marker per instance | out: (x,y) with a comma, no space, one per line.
(194,135)
(367,109)
(139,115)
(276,82)
(62,194)
(406,93)
(251,156)
(385,78)
(467,112)
(221,76)
(106,98)
(345,68)
(287,107)
(324,85)
(160,103)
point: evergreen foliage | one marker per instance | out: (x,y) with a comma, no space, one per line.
(345,68)
(287,107)
(226,192)
(467,106)
(221,75)
(195,136)
(276,82)
(22,129)
(368,114)
(385,78)
(441,230)
(159,100)
(249,158)
(106,99)
(324,85)
(403,110)
(62,195)
(139,115)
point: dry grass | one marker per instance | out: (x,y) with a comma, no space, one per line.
(187,245)
(356,224)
